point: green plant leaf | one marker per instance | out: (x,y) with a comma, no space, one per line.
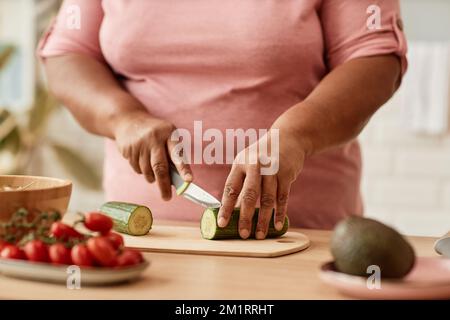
(11,153)
(11,142)
(5,55)
(77,166)
(7,124)
(39,114)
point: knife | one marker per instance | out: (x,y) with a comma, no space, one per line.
(442,246)
(192,192)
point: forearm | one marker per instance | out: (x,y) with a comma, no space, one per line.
(342,104)
(90,91)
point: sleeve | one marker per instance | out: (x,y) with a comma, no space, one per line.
(362,28)
(74,30)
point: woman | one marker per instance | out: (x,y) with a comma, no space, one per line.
(316,70)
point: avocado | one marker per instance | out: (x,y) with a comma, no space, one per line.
(358,243)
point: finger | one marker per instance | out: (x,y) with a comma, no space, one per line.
(267,204)
(160,168)
(250,194)
(134,159)
(239,201)
(179,160)
(125,151)
(145,165)
(233,187)
(281,205)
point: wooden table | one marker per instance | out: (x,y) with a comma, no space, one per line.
(182,276)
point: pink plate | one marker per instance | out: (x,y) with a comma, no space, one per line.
(429,279)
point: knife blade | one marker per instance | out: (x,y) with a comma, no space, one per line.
(192,192)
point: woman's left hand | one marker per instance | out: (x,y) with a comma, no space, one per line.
(247,182)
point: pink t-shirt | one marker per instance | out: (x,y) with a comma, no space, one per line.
(231,64)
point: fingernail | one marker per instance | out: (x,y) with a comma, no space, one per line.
(222,222)
(259,235)
(244,233)
(188,177)
(279,226)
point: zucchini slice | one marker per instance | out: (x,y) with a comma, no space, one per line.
(129,218)
(211,231)
(182,188)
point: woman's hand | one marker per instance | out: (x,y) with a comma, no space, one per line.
(142,139)
(146,143)
(246,185)
(334,113)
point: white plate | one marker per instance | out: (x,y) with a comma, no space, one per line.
(87,276)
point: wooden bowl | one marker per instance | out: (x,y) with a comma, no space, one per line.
(40,193)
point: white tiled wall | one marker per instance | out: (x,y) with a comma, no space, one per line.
(406,180)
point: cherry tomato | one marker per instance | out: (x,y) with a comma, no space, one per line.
(36,250)
(80,256)
(12,252)
(116,239)
(96,221)
(59,254)
(129,257)
(64,232)
(102,250)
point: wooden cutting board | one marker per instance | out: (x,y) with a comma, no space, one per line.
(177,239)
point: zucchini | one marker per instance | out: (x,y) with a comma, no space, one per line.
(129,218)
(211,231)
(182,188)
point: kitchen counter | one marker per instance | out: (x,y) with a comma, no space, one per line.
(182,276)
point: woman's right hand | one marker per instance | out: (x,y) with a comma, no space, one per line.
(145,142)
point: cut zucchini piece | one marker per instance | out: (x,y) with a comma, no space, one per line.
(183,188)
(129,218)
(211,231)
